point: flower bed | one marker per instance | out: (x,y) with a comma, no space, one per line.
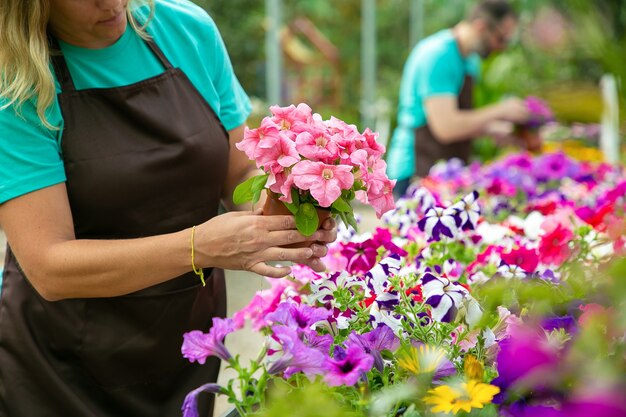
(492,290)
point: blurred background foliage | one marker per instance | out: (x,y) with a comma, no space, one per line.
(562,49)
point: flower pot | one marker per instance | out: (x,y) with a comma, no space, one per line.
(531,138)
(273,206)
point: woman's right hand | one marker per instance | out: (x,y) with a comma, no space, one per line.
(245,240)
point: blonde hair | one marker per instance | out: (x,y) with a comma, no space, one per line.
(27,76)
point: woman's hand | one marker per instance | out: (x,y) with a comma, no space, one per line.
(328,233)
(248,241)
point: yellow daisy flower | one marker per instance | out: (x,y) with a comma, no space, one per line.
(473,368)
(464,396)
(420,360)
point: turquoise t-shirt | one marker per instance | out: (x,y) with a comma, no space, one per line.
(435,67)
(30,154)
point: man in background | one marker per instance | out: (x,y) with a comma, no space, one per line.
(435,116)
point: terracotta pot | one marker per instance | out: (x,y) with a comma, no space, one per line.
(273,206)
(531,139)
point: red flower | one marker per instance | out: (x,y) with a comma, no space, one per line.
(415,293)
(553,247)
(527,259)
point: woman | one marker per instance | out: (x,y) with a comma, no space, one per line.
(116,147)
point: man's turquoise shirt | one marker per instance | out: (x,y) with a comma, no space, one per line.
(435,67)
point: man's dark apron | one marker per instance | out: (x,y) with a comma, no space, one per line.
(141,160)
(428,150)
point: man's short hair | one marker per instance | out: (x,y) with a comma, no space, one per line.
(492,11)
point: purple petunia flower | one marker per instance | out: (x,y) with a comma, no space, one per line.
(347,366)
(440,221)
(526,352)
(444,296)
(197,346)
(555,166)
(297,356)
(298,316)
(374,342)
(190,405)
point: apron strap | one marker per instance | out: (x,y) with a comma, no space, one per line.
(59,65)
(159,54)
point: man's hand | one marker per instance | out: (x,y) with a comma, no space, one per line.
(513,110)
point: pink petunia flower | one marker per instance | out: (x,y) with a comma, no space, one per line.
(277,152)
(324,182)
(317,145)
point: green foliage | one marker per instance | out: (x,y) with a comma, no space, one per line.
(310,400)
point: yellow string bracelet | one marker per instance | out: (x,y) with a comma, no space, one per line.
(198,271)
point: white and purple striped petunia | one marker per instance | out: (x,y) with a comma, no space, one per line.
(468,210)
(444,296)
(440,221)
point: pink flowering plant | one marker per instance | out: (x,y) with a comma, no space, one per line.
(491,290)
(309,162)
(540,112)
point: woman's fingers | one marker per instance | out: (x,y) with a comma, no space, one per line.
(329,224)
(266,270)
(315,264)
(278,222)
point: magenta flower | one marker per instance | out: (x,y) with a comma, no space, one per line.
(525,258)
(347,366)
(361,256)
(325,182)
(539,110)
(197,346)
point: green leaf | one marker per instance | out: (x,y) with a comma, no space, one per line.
(249,189)
(342,205)
(351,220)
(307,221)
(259,181)
(256,197)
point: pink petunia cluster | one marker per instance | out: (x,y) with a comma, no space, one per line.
(297,148)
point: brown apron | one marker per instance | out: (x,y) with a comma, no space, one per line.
(144,159)
(428,150)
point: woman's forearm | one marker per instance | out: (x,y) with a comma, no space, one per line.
(106,268)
